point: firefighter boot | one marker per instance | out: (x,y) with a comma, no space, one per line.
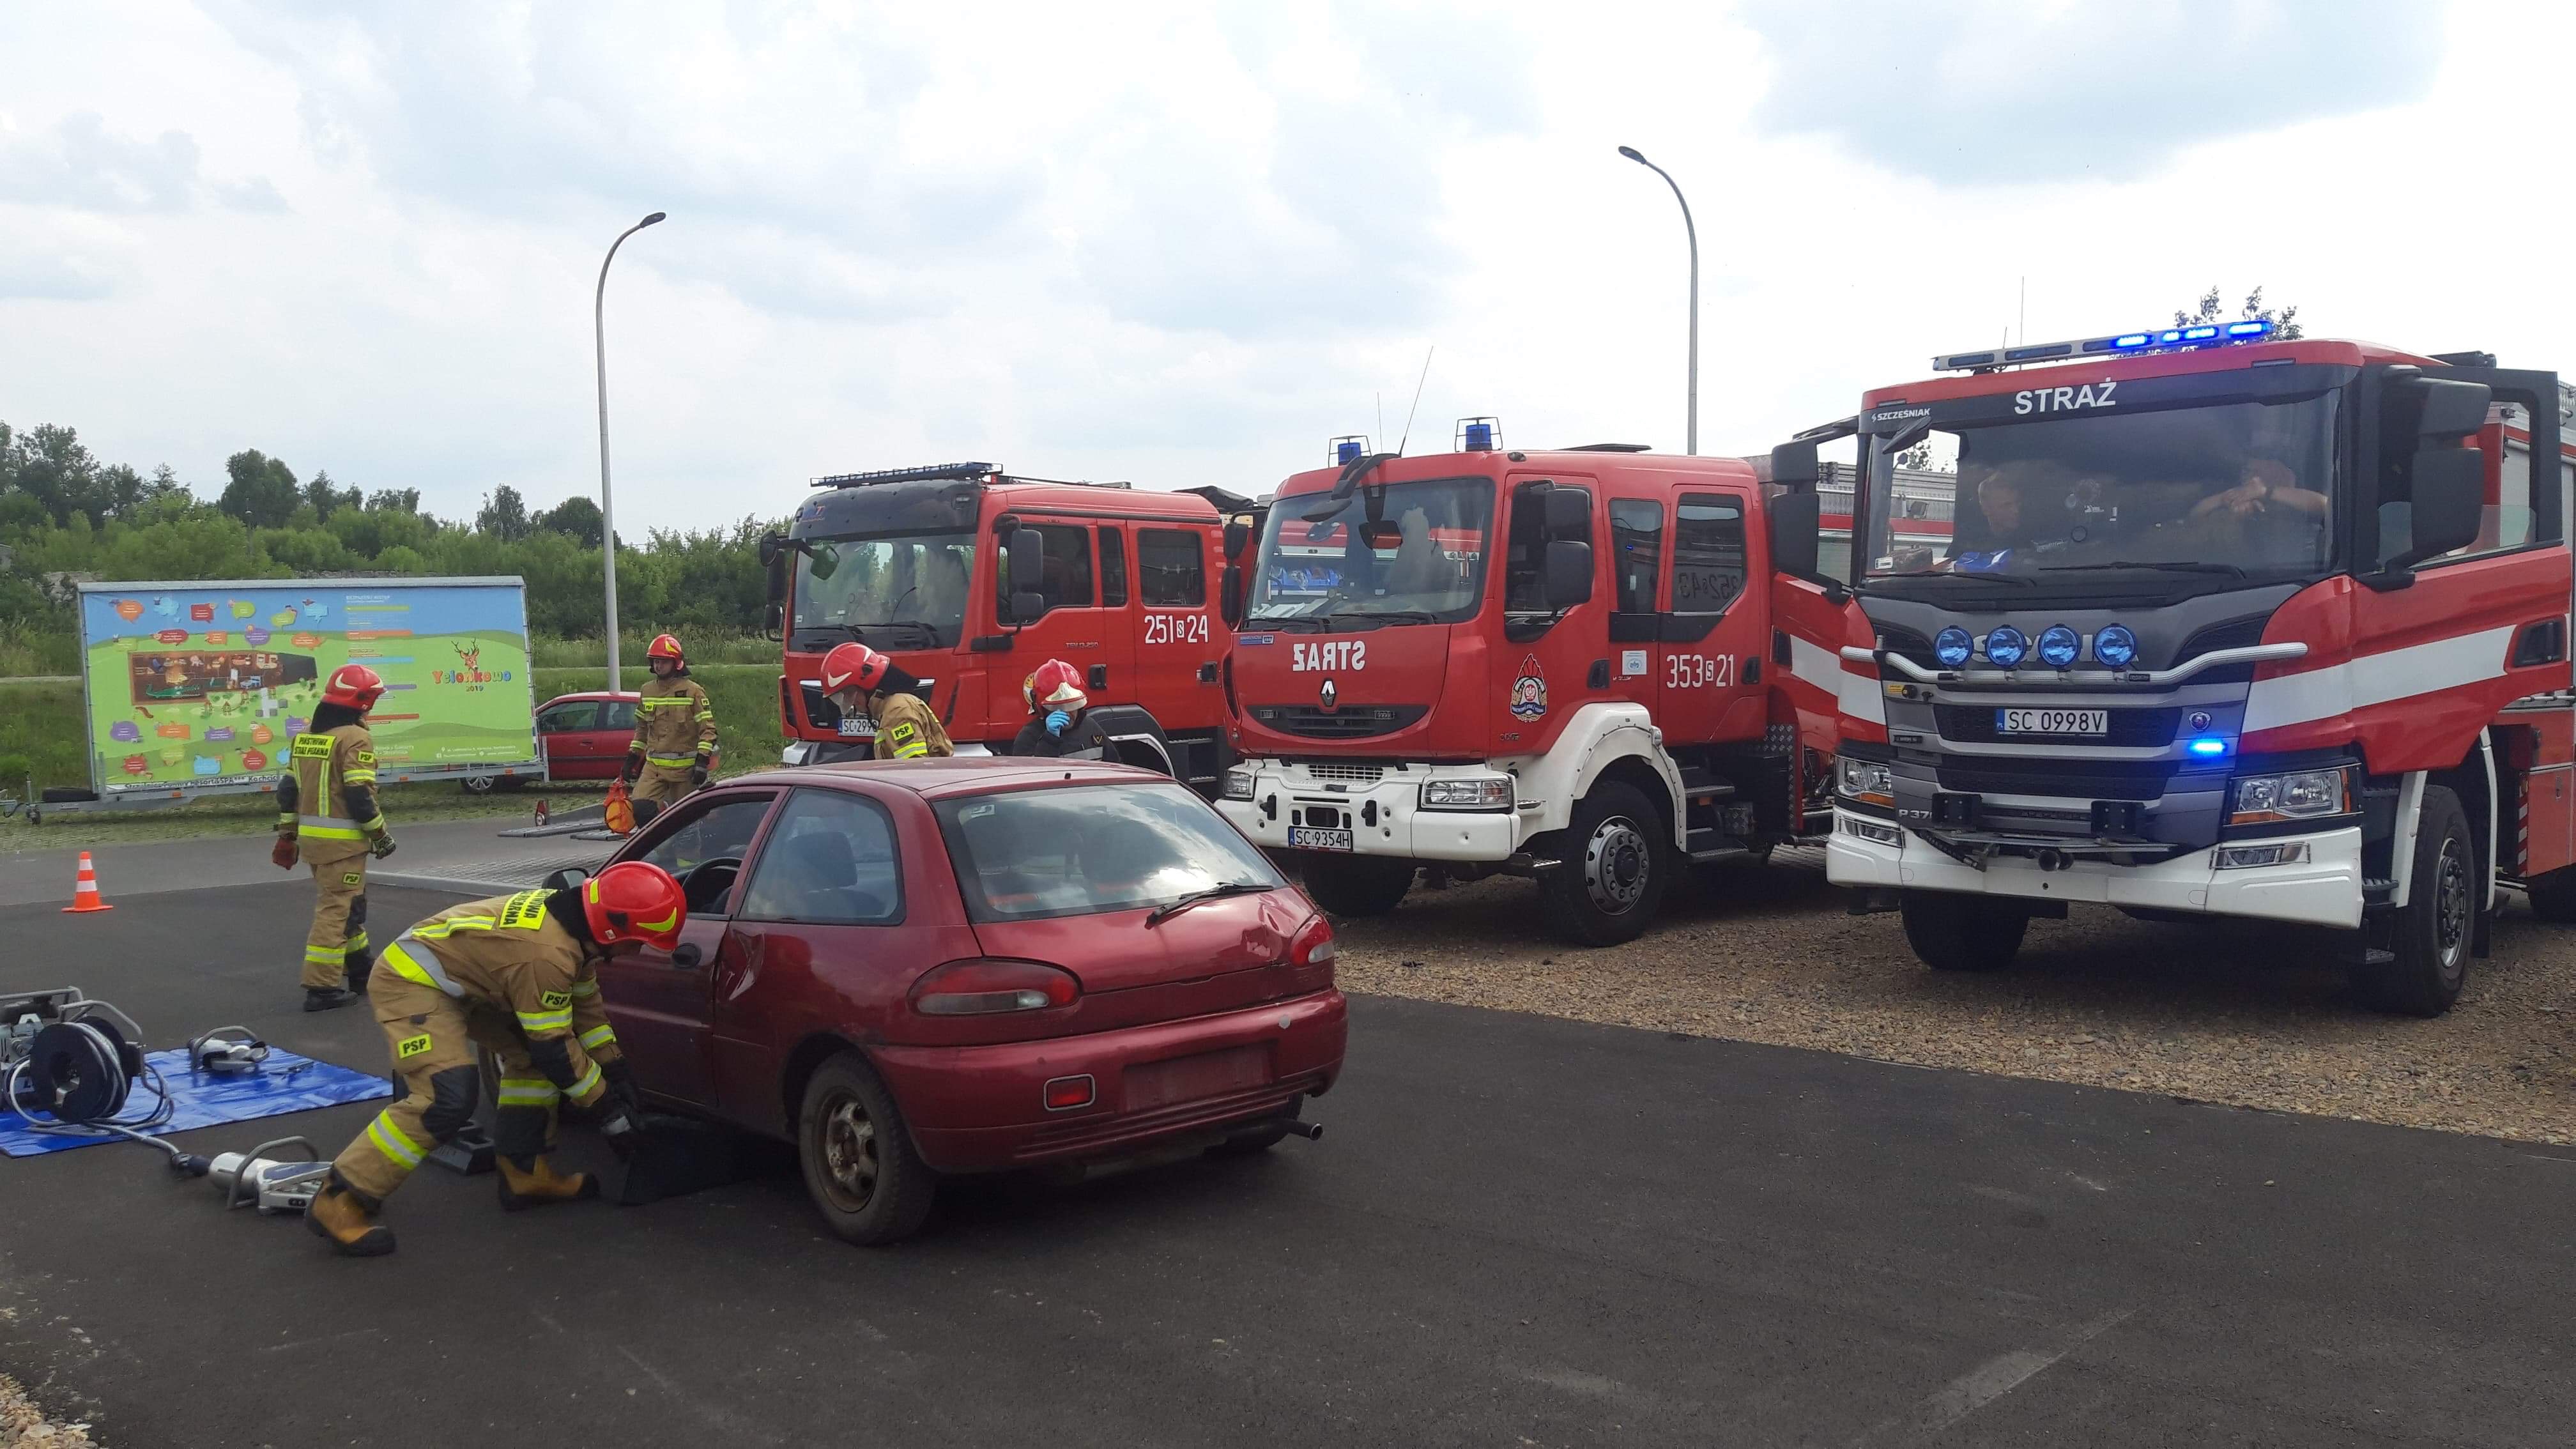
(537,1183)
(327,998)
(348,1218)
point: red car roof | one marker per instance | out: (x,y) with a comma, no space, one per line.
(959,775)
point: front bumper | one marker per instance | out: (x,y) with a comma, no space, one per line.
(2323,890)
(982,1108)
(1384,814)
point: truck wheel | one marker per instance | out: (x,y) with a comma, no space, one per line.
(859,1165)
(1963,933)
(1357,885)
(2429,937)
(2553,896)
(1617,860)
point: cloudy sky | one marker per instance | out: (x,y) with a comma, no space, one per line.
(1187,244)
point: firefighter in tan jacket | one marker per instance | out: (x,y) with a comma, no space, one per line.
(327,817)
(675,728)
(862,681)
(517,974)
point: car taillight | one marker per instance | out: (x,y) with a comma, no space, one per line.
(985,987)
(1311,951)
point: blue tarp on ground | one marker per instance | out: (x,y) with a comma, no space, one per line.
(283,1083)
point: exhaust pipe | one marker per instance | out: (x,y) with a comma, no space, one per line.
(1311,1131)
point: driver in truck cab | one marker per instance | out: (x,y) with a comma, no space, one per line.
(863,682)
(1060,724)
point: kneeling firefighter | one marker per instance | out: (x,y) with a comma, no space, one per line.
(517,974)
(862,681)
(1060,724)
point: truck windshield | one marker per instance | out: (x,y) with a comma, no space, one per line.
(2240,489)
(919,579)
(1397,553)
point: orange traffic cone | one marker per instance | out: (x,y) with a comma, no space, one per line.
(85,890)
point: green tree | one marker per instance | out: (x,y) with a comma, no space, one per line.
(262,489)
(2284,320)
(504,515)
(327,498)
(577,516)
(395,500)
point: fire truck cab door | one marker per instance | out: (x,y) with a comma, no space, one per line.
(1076,628)
(1708,655)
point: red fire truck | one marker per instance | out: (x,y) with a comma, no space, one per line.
(2226,626)
(970,578)
(1604,707)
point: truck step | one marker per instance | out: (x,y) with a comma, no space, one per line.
(1701,783)
(1708,843)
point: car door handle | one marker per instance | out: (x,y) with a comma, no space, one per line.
(687,956)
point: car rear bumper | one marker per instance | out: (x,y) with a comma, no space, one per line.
(977,1109)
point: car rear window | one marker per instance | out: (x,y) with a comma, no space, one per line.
(1026,855)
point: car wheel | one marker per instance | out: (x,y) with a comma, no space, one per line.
(860,1167)
(2429,937)
(1961,932)
(1616,860)
(1357,885)
(2553,896)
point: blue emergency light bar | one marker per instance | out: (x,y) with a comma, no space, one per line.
(1479,434)
(1348,449)
(2205,334)
(929,473)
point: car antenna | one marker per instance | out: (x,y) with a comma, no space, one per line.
(1360,467)
(1417,402)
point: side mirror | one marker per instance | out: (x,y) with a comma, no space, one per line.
(1569,514)
(2450,409)
(1229,598)
(1025,552)
(776,563)
(1796,526)
(1793,465)
(771,546)
(774,622)
(1027,607)
(2450,488)
(567,879)
(688,956)
(1237,534)
(1569,573)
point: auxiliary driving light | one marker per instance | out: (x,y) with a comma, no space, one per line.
(2006,646)
(2115,646)
(2058,646)
(1952,646)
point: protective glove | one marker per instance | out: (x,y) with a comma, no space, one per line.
(633,769)
(1057,723)
(698,773)
(283,853)
(381,846)
(620,1130)
(620,1077)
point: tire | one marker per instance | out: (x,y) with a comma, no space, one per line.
(2431,935)
(857,1156)
(1357,885)
(2553,896)
(477,784)
(1961,932)
(1617,862)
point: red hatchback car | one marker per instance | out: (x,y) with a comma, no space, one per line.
(953,966)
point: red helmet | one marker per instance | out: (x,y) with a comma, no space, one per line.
(854,666)
(1054,685)
(665,646)
(354,685)
(634,901)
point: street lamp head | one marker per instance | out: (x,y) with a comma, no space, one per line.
(1633,154)
(648,221)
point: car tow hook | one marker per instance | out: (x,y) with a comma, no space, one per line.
(2052,860)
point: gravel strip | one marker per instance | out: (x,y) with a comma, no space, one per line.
(2231,1012)
(24,1426)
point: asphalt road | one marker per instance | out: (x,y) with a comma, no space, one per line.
(1518,1230)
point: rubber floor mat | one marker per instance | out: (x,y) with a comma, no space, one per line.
(284,1083)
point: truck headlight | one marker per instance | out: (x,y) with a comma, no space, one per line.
(2296,795)
(1869,782)
(1491,792)
(1238,784)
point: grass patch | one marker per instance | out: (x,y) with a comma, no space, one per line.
(27,649)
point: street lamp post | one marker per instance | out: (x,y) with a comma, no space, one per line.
(1692,426)
(607,516)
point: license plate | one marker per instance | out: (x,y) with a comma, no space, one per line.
(2052,721)
(1187,1079)
(1307,837)
(858,726)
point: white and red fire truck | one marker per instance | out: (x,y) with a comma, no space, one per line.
(1563,664)
(2224,626)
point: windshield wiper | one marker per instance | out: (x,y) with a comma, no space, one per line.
(1289,623)
(1212,893)
(1382,616)
(2020,580)
(2228,569)
(925,626)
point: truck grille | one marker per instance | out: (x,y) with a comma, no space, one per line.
(1348,774)
(819,708)
(1352,722)
(1975,724)
(2058,776)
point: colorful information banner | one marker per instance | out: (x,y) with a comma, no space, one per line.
(204,686)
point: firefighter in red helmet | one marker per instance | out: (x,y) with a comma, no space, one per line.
(1060,724)
(518,974)
(863,682)
(675,728)
(327,817)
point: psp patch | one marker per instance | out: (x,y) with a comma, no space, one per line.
(555,1000)
(412,1046)
(904,732)
(353,878)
